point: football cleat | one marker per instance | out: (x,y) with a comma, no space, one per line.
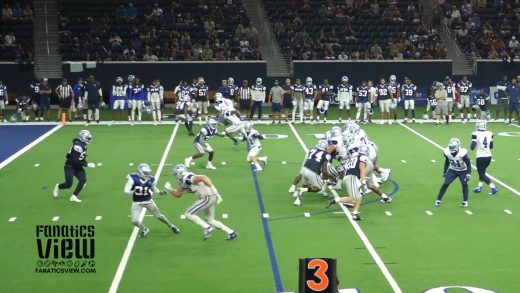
(143,232)
(386,199)
(292,189)
(232,236)
(187,161)
(464,204)
(385,173)
(208,232)
(263,160)
(175,229)
(298,200)
(210,165)
(74,198)
(437,203)
(478,189)
(56,190)
(356,217)
(258,168)
(330,202)
(493,191)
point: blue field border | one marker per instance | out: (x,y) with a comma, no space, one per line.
(16,137)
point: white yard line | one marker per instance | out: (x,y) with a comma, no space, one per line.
(126,255)
(29,146)
(359,231)
(468,212)
(473,166)
(55,219)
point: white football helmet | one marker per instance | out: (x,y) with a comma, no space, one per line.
(322,145)
(230,81)
(85,136)
(454,145)
(354,128)
(258,81)
(364,150)
(393,78)
(348,139)
(130,78)
(212,123)
(248,126)
(344,79)
(328,135)
(218,97)
(481,125)
(119,78)
(335,131)
(200,79)
(144,171)
(179,170)
(308,80)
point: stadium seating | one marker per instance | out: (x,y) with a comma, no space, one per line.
(22,29)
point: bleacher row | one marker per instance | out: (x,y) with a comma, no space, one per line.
(22,30)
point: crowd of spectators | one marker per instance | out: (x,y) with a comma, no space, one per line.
(186,30)
(16,33)
(333,29)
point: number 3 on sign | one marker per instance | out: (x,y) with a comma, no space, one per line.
(321,267)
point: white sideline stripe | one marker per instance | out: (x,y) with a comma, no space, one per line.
(265,215)
(473,166)
(55,219)
(429,213)
(307,215)
(468,212)
(388,213)
(98,218)
(507,212)
(126,255)
(29,146)
(403,161)
(359,231)
(12,219)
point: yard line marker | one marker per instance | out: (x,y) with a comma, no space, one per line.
(429,213)
(265,215)
(307,215)
(388,213)
(468,212)
(403,161)
(131,241)
(12,219)
(223,163)
(98,218)
(55,219)
(225,216)
(183,217)
(284,162)
(100,164)
(472,166)
(433,161)
(36,165)
(508,212)
(130,164)
(359,231)
(29,146)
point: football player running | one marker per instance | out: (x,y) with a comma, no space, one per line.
(141,186)
(201,144)
(182,112)
(456,165)
(207,198)
(482,141)
(230,115)
(76,160)
(253,137)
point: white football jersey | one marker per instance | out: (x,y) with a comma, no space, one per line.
(457,161)
(340,148)
(483,140)
(252,137)
(199,189)
(361,137)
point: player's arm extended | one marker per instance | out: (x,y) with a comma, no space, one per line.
(467,162)
(128,186)
(362,172)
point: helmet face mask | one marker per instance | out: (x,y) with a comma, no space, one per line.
(481,125)
(144,171)
(212,123)
(231,81)
(344,79)
(335,131)
(322,145)
(392,78)
(248,127)
(454,145)
(259,81)
(308,80)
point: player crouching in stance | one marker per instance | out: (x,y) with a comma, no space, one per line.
(253,137)
(76,160)
(482,140)
(456,165)
(201,144)
(207,195)
(141,186)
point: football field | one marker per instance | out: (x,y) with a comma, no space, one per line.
(408,245)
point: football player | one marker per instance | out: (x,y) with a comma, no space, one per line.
(310,93)
(129,83)
(297,94)
(207,198)
(409,91)
(76,160)
(182,112)
(361,138)
(456,165)
(344,97)
(119,91)
(253,137)
(464,88)
(383,97)
(155,99)
(233,89)
(94,96)
(141,186)
(325,98)
(482,102)
(23,107)
(431,104)
(231,116)
(362,102)
(451,90)
(482,141)
(137,97)
(201,144)
(4,100)
(201,98)
(395,95)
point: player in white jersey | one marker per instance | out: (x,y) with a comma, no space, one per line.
(361,138)
(141,186)
(344,97)
(253,137)
(207,198)
(119,93)
(230,115)
(482,141)
(155,98)
(456,165)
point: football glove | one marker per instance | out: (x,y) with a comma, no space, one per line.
(163,192)
(91,165)
(468,176)
(168,186)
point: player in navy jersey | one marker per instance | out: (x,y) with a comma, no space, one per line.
(482,102)
(298,100)
(201,144)
(119,91)
(362,102)
(141,186)
(4,100)
(76,160)
(409,91)
(383,96)
(137,98)
(456,165)
(182,111)
(464,88)
(326,92)
(129,83)
(224,90)
(78,104)
(23,107)
(431,104)
(201,98)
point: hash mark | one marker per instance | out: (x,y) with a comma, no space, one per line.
(12,219)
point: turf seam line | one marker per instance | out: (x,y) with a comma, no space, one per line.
(29,146)
(359,231)
(133,236)
(472,166)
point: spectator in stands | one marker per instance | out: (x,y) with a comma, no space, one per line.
(115,42)
(396,14)
(17,11)
(121,12)
(455,13)
(343,56)
(513,44)
(376,52)
(374,8)
(209,26)
(149,56)
(7,13)
(27,12)
(467,9)
(131,12)
(156,14)
(9,40)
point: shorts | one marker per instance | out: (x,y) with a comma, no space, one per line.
(441,108)
(65,103)
(276,107)
(204,203)
(253,152)
(352,184)
(323,105)
(393,104)
(287,103)
(409,104)
(449,105)
(502,104)
(310,104)
(344,103)
(118,104)
(311,178)
(136,104)
(245,104)
(202,147)
(155,104)
(464,100)
(93,104)
(384,105)
(514,107)
(44,103)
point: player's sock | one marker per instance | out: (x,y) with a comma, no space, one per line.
(303,189)
(159,115)
(140,226)
(447,119)
(442,191)
(154,115)
(405,114)
(132,116)
(84,116)
(163,219)
(491,185)
(197,220)
(480,184)
(89,115)
(96,114)
(187,124)
(465,192)
(461,115)
(139,115)
(413,114)
(220,226)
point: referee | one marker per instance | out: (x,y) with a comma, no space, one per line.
(244,96)
(65,96)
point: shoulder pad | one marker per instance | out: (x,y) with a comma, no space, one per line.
(78,148)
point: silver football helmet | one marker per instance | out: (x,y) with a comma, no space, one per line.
(144,171)
(179,170)
(85,136)
(454,145)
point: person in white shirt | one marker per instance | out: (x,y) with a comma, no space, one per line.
(482,142)
(258,97)
(253,137)
(155,99)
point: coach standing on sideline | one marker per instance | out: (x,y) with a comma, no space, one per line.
(244,96)
(513,91)
(65,96)
(45,100)
(275,97)
(502,97)
(258,97)
(441,95)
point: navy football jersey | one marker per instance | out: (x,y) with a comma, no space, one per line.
(137,92)
(383,92)
(23,102)
(76,157)
(142,189)
(362,92)
(481,102)
(205,134)
(326,92)
(315,160)
(233,91)
(201,92)
(180,106)
(352,167)
(3,91)
(432,101)
(450,89)
(465,87)
(308,90)
(394,89)
(408,91)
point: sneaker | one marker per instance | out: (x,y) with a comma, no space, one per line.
(330,202)
(208,232)
(258,168)
(478,189)
(263,160)
(437,203)
(190,133)
(464,204)
(210,165)
(298,200)
(493,191)
(74,198)
(292,189)
(413,120)
(143,233)
(187,162)
(386,200)
(56,190)
(175,229)
(232,236)
(356,217)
